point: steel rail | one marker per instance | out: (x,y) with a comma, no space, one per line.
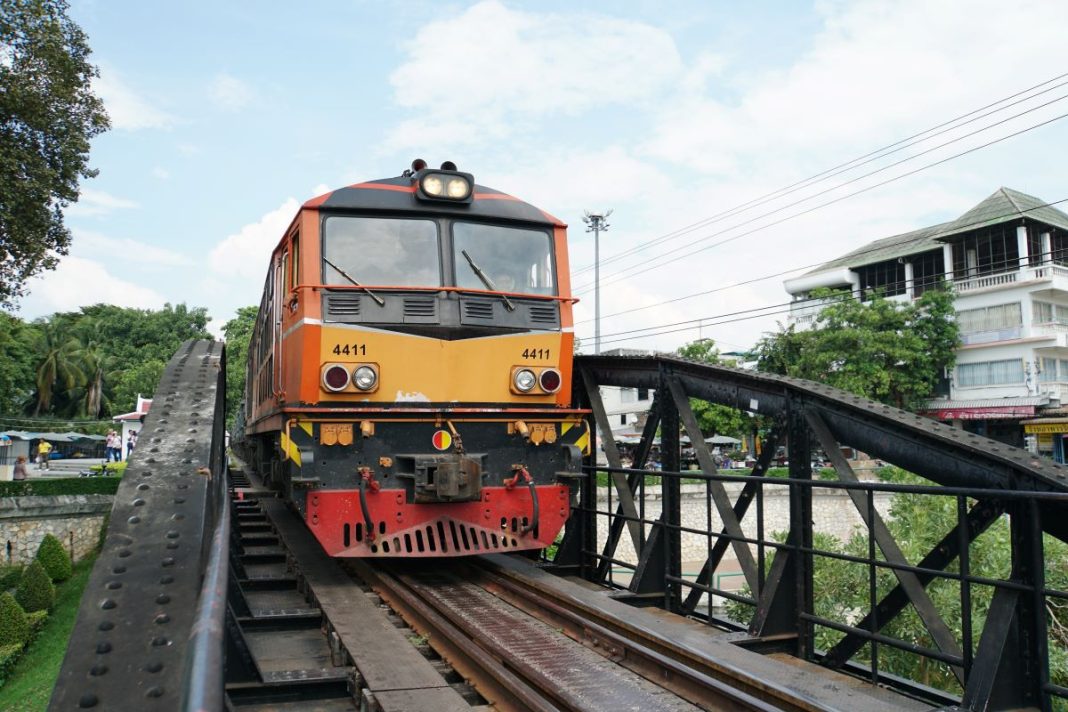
(487,674)
(692,678)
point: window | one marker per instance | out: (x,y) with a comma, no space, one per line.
(928,271)
(1049,370)
(294,265)
(886,278)
(513,259)
(1046,313)
(382,252)
(627,395)
(643,394)
(986,252)
(623,419)
(990,373)
(995,318)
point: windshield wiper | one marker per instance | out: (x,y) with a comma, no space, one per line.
(486,280)
(378,300)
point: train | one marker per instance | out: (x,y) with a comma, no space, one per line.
(409,375)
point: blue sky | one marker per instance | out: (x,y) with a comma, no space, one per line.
(227,115)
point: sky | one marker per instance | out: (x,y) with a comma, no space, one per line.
(679,117)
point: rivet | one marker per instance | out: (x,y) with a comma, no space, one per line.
(154,666)
(154,692)
(98,670)
(134,520)
(173,534)
(166,580)
(177,517)
(123,553)
(103,648)
(162,618)
(159,641)
(105,625)
(169,561)
(114,585)
(172,545)
(139,502)
(179,500)
(86,701)
(118,569)
(107,604)
(142,487)
(163,598)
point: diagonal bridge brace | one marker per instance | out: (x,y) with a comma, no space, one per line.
(908,581)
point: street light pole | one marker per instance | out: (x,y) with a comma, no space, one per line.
(595,223)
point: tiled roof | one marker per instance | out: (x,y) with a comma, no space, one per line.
(1005,205)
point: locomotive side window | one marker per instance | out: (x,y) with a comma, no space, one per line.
(514,259)
(381,252)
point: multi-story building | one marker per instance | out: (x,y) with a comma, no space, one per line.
(1006,260)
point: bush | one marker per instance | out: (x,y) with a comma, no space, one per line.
(35,591)
(60,485)
(10,575)
(9,655)
(54,558)
(14,629)
(36,621)
(113,468)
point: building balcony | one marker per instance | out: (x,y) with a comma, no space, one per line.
(1053,273)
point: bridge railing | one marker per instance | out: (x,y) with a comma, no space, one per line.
(823,564)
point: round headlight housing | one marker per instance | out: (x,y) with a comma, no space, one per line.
(364,378)
(457,188)
(550,380)
(524,380)
(336,378)
(433,185)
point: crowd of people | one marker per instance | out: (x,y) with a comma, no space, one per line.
(113,446)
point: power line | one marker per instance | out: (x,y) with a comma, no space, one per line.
(842,167)
(839,199)
(860,253)
(753,313)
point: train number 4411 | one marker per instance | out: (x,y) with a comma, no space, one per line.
(350,350)
(537,353)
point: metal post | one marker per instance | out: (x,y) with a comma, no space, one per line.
(595,223)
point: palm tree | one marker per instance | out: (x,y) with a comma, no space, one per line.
(56,368)
(93,364)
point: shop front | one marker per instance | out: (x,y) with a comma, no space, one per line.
(1047,436)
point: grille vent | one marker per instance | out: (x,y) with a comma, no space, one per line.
(478,310)
(436,537)
(544,314)
(344,305)
(419,307)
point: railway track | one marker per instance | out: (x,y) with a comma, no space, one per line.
(311,632)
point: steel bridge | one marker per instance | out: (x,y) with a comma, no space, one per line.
(209,594)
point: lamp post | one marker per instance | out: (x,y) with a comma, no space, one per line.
(595,223)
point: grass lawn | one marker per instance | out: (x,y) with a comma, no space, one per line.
(30,685)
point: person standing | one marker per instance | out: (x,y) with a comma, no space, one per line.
(19,472)
(44,449)
(131,443)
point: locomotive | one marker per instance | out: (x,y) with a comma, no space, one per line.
(409,374)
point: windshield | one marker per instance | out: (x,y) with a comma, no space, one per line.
(513,259)
(381,251)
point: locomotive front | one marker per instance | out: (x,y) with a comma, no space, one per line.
(422,356)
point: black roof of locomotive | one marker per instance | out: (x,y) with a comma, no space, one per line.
(399,194)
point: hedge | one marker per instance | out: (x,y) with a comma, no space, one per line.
(61,485)
(14,628)
(54,558)
(10,575)
(36,621)
(9,655)
(35,591)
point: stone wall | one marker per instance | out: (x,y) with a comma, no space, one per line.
(73,519)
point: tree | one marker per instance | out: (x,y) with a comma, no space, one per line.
(17,362)
(712,418)
(54,558)
(888,351)
(48,114)
(55,366)
(238,334)
(35,591)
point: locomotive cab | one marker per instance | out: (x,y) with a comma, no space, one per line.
(410,371)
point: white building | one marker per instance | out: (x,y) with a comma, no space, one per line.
(627,408)
(1007,261)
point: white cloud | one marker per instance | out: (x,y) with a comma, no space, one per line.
(92,202)
(78,282)
(126,249)
(160,173)
(245,254)
(230,93)
(128,110)
(556,64)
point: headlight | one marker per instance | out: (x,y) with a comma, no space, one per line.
(524,380)
(336,378)
(433,185)
(364,378)
(551,380)
(457,188)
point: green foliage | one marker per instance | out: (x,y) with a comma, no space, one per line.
(17,361)
(888,351)
(14,630)
(49,116)
(713,419)
(9,655)
(35,591)
(238,333)
(10,575)
(113,469)
(36,621)
(60,485)
(54,558)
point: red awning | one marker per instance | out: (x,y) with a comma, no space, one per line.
(988,413)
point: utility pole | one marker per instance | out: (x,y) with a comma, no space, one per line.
(595,223)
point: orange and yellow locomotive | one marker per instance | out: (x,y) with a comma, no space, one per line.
(409,376)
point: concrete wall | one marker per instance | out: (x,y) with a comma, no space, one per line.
(73,519)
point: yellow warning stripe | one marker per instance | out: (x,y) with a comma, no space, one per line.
(290,449)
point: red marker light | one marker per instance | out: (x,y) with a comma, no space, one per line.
(550,380)
(336,378)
